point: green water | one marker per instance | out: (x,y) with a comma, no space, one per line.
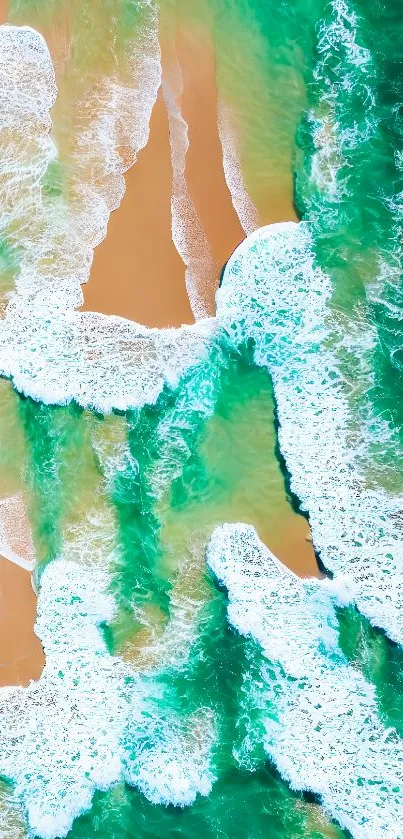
(357,225)
(241,804)
(162,529)
(140,492)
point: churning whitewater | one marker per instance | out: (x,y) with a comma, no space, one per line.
(194,685)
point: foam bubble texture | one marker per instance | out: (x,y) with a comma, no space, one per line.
(16,542)
(52,352)
(322,729)
(60,736)
(242,203)
(187,232)
(344,64)
(171,761)
(91,720)
(273,293)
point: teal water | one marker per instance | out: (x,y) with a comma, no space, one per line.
(239,697)
(169,492)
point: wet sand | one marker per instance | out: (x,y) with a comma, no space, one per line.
(276,205)
(21,654)
(137,272)
(291,542)
(204,164)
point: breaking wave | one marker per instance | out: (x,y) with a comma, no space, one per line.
(92,720)
(52,352)
(273,294)
(321,721)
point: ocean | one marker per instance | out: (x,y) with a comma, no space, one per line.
(207,481)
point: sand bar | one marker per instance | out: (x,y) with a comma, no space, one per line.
(204,163)
(21,653)
(137,272)
(291,542)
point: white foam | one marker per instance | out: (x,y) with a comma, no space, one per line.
(344,64)
(60,736)
(273,293)
(50,351)
(322,727)
(187,232)
(241,201)
(172,761)
(16,543)
(91,720)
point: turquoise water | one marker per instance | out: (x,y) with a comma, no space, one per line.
(194,686)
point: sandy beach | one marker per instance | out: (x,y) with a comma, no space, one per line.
(139,274)
(21,654)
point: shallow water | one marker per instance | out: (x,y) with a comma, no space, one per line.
(212,514)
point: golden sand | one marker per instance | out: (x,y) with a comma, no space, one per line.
(204,165)
(21,654)
(137,272)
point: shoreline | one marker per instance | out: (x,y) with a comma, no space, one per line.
(21,654)
(150,287)
(139,274)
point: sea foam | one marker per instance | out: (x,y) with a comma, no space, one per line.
(92,720)
(273,293)
(321,723)
(16,543)
(241,201)
(187,231)
(52,352)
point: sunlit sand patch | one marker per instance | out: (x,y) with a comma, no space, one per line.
(137,271)
(151,288)
(21,654)
(188,234)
